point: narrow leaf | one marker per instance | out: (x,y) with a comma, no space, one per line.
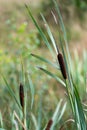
(11,92)
(32,90)
(53,76)
(46,61)
(40,31)
(50,34)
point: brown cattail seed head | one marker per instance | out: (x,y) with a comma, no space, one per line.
(21,95)
(62,65)
(49,124)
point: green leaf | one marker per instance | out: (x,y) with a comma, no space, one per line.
(11,92)
(50,35)
(46,61)
(32,91)
(58,113)
(40,110)
(1,120)
(34,121)
(61,112)
(53,76)
(80,110)
(40,31)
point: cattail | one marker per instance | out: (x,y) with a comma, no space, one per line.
(21,95)
(49,124)
(62,65)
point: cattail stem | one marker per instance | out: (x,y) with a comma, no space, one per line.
(48,127)
(62,65)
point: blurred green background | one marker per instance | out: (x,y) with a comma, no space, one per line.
(19,38)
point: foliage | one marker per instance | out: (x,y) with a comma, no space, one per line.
(71,88)
(36,108)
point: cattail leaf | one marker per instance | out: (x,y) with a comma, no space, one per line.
(75,108)
(11,92)
(1,120)
(80,110)
(40,31)
(40,109)
(15,115)
(32,91)
(50,34)
(61,112)
(34,121)
(53,76)
(45,60)
(60,18)
(57,111)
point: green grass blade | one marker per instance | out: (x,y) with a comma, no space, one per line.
(1,120)
(58,114)
(11,92)
(50,34)
(57,111)
(34,121)
(40,31)
(60,18)
(32,91)
(40,110)
(53,76)
(80,110)
(46,61)
(61,112)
